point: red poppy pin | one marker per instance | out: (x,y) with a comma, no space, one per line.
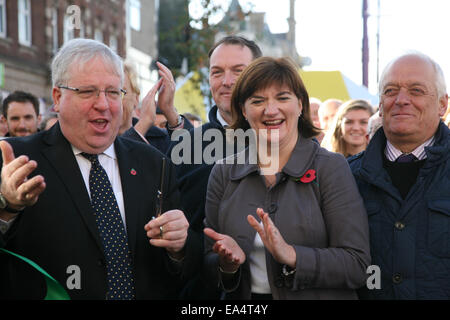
(309,176)
(133,172)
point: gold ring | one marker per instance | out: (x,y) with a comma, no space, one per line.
(161,231)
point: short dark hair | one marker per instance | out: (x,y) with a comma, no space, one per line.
(262,73)
(20,96)
(238,40)
(191,116)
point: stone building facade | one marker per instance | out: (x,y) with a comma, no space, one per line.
(31,31)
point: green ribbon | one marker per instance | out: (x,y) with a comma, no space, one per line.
(54,290)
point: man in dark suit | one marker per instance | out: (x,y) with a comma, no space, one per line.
(227,59)
(49,208)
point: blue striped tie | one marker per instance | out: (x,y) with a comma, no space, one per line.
(112,233)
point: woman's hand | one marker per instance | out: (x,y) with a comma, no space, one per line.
(230,254)
(272,239)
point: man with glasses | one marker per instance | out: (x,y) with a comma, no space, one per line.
(72,198)
(404,179)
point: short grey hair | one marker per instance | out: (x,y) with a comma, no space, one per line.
(81,51)
(440,84)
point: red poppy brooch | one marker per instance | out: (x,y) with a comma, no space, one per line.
(309,176)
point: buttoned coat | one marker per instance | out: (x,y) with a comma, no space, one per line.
(324,220)
(59,231)
(410,237)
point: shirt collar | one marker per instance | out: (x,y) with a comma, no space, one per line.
(392,153)
(109,152)
(221,119)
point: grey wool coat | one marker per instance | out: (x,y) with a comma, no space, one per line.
(323,219)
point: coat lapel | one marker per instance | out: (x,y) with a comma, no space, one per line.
(132,179)
(59,154)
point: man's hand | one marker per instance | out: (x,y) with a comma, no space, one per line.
(15,187)
(230,254)
(147,115)
(169,231)
(167,95)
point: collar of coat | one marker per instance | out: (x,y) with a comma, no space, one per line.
(372,157)
(300,161)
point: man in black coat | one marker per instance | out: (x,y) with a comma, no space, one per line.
(227,59)
(47,196)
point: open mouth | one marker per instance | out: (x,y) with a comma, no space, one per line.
(273,123)
(99,124)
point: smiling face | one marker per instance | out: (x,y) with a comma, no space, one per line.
(22,119)
(226,64)
(354,128)
(409,104)
(89,124)
(274,108)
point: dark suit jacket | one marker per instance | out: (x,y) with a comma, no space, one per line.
(193,178)
(193,181)
(158,138)
(60,230)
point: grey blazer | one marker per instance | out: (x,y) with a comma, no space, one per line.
(323,219)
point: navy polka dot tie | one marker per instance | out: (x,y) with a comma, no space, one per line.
(112,233)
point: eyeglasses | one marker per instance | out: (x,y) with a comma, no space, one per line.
(112,94)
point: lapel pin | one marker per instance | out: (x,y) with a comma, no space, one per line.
(133,172)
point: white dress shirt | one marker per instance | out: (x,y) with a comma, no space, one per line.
(222,120)
(108,160)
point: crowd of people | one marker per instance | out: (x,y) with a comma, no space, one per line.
(318,192)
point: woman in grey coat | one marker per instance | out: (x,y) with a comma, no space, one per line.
(288,223)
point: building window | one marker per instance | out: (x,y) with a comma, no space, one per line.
(55,42)
(78,23)
(113,43)
(69,31)
(82,30)
(24,7)
(98,35)
(135,15)
(2,18)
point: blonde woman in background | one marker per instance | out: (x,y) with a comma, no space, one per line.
(348,132)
